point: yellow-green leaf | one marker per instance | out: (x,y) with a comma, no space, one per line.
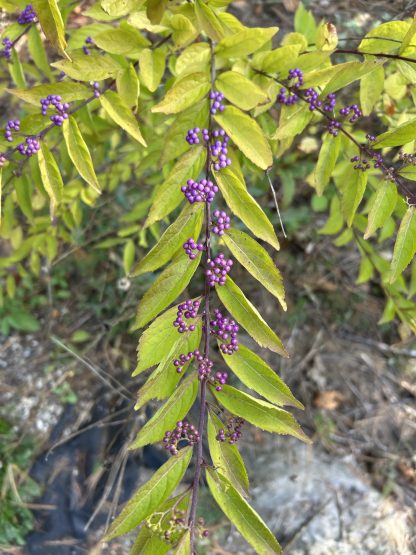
(382,207)
(371,88)
(121,114)
(245,207)
(175,408)
(152,67)
(164,290)
(128,86)
(51,177)
(328,156)
(353,194)
(169,195)
(257,261)
(187,224)
(248,316)
(225,456)
(94,67)
(257,375)
(246,133)
(79,153)
(208,21)
(351,72)
(247,521)
(264,415)
(123,41)
(50,20)
(239,90)
(68,92)
(244,42)
(149,496)
(184,93)
(402,135)
(405,246)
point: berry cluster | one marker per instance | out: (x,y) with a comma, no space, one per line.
(6,52)
(218,269)
(199,191)
(176,525)
(96,86)
(219,150)
(12,125)
(189,309)
(183,359)
(353,110)
(216,102)
(204,367)
(407,158)
(220,378)
(190,246)
(184,431)
(333,127)
(233,433)
(225,329)
(286,97)
(56,101)
(27,16)
(85,49)
(29,147)
(363,164)
(296,75)
(220,222)
(192,136)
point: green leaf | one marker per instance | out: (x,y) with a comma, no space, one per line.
(121,114)
(246,133)
(149,496)
(94,67)
(407,40)
(118,8)
(208,21)
(371,89)
(68,91)
(50,20)
(279,60)
(156,342)
(152,67)
(402,135)
(259,413)
(239,90)
(128,256)
(226,457)
(253,372)
(175,408)
(292,121)
(79,153)
(408,172)
(373,41)
(51,177)
(128,86)
(335,221)
(169,195)
(166,288)
(405,246)
(16,70)
(328,156)
(184,546)
(163,381)
(243,205)
(353,194)
(366,271)
(238,511)
(352,71)
(305,23)
(155,10)
(248,316)
(184,93)
(123,41)
(257,261)
(187,224)
(23,321)
(244,42)
(37,51)
(382,207)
